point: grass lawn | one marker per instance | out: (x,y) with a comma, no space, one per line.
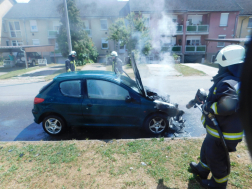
(23,70)
(188,71)
(155,163)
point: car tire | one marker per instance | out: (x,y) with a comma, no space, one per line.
(156,124)
(54,125)
(33,63)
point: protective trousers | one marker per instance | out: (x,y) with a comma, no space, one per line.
(213,158)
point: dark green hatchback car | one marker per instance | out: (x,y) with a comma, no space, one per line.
(101,98)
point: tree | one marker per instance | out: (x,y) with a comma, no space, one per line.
(134,34)
(81,43)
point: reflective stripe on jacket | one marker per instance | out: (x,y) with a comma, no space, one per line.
(223,102)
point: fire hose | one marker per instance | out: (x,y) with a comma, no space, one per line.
(199,98)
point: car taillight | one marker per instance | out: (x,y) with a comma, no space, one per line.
(38,100)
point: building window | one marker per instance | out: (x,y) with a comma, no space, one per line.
(33,25)
(250,22)
(7,43)
(224,19)
(56,25)
(221,44)
(4,27)
(35,42)
(14,43)
(15,29)
(104,24)
(105,44)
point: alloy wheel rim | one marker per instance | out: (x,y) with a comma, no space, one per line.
(53,125)
(157,125)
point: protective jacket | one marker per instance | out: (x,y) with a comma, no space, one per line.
(117,65)
(70,64)
(223,102)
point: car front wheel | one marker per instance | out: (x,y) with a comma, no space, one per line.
(54,125)
(156,124)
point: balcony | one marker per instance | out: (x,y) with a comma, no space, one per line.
(179,29)
(89,32)
(197,29)
(195,49)
(177,49)
(52,33)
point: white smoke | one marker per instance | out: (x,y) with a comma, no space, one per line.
(162,28)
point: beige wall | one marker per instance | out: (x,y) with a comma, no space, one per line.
(244,31)
(98,34)
(5,6)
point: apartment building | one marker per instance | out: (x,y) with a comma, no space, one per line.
(38,22)
(244,26)
(5,6)
(195,21)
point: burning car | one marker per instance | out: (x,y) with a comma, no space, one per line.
(101,98)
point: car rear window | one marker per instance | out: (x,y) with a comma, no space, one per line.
(71,88)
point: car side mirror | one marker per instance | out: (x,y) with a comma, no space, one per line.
(128,99)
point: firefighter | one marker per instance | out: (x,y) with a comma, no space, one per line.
(70,62)
(116,63)
(222,101)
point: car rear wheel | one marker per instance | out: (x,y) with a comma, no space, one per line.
(54,125)
(156,124)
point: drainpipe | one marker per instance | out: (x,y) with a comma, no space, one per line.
(235,27)
(25,57)
(241,26)
(25,32)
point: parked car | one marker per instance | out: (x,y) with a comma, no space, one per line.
(7,63)
(32,58)
(101,98)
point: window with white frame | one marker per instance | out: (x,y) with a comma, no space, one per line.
(104,43)
(56,25)
(175,18)
(224,19)
(35,42)
(221,44)
(16,43)
(193,40)
(33,25)
(250,22)
(104,24)
(195,19)
(15,29)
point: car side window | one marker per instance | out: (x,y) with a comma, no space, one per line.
(71,88)
(105,90)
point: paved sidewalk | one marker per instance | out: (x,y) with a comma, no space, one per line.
(211,71)
(94,66)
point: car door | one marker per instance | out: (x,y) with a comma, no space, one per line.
(69,103)
(105,105)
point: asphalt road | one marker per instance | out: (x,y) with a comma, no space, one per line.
(16,119)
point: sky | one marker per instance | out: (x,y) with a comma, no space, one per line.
(25,1)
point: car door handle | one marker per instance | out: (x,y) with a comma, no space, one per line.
(89,105)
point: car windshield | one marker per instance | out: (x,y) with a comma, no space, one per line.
(130,83)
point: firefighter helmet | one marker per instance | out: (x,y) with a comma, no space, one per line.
(73,53)
(230,55)
(114,53)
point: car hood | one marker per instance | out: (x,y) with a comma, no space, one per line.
(137,75)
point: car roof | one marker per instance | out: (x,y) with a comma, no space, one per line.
(96,74)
